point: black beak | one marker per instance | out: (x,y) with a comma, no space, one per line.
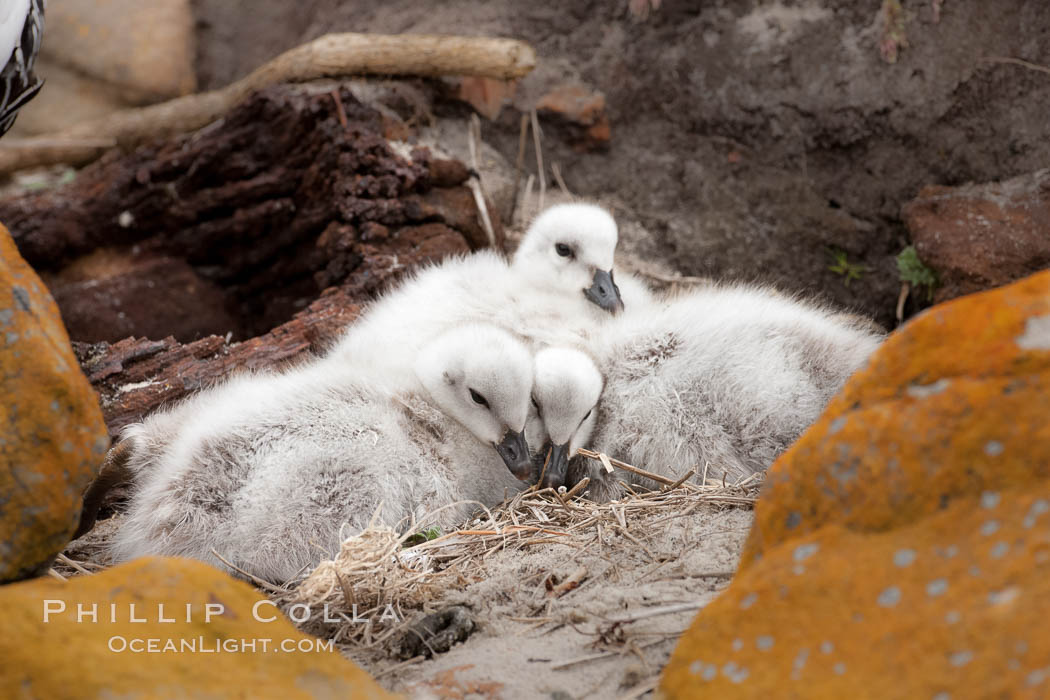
(604,292)
(515,453)
(557,466)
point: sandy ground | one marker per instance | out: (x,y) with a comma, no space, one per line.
(606,638)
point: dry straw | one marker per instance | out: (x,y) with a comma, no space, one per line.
(375,574)
(367,593)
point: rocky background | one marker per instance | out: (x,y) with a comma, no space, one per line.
(784,142)
(753,139)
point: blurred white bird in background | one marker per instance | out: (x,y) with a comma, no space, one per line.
(21,29)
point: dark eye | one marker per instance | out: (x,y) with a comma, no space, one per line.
(535,404)
(563,250)
(588,414)
(478,399)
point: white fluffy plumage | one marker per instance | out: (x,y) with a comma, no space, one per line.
(273,471)
(727,376)
(539,293)
(565,392)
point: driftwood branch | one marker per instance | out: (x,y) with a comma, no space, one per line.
(1017,62)
(331,56)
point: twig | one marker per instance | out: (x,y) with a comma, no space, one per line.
(657,612)
(74,564)
(54,574)
(579,487)
(330,56)
(582,659)
(473,140)
(630,490)
(527,195)
(537,137)
(901,299)
(745,482)
(543,471)
(473,136)
(1017,62)
(558,178)
(682,480)
(254,579)
(626,467)
(600,655)
(339,111)
(530,620)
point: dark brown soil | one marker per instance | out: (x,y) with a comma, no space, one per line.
(754,139)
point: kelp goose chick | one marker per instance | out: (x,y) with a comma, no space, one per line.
(559,284)
(571,247)
(273,471)
(725,376)
(565,392)
(21,30)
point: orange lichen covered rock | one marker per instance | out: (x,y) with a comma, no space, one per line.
(901,548)
(162,628)
(952,606)
(52,437)
(955,403)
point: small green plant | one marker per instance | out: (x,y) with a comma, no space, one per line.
(38,182)
(915,272)
(431,533)
(842,266)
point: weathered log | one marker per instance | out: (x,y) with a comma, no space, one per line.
(137,375)
(333,55)
(240,225)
